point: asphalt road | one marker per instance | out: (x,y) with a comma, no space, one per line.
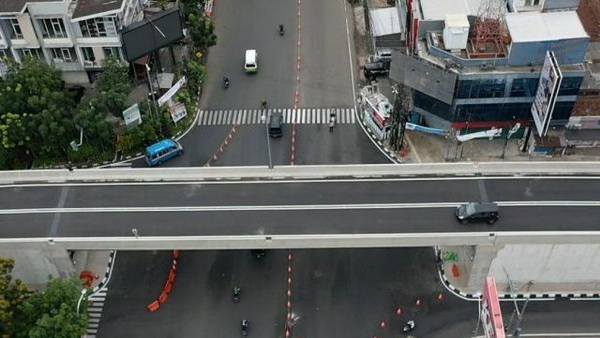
(309,207)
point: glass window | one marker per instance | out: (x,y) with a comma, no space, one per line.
(16,32)
(524,87)
(112,51)
(53,28)
(482,88)
(492,112)
(33,53)
(88,54)
(64,54)
(98,27)
(432,105)
(570,85)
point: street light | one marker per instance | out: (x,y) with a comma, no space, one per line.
(83,293)
(264,117)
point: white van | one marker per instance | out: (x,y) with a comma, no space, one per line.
(251,64)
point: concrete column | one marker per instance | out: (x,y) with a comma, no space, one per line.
(35,265)
(480,265)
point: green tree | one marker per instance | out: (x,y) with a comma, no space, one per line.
(33,90)
(97,131)
(53,312)
(113,86)
(202,32)
(12,294)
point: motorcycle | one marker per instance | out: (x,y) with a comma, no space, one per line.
(409,326)
(281,30)
(245,326)
(225,82)
(236,294)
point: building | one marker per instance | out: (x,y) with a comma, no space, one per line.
(477,64)
(73,35)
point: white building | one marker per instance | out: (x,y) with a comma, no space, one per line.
(73,35)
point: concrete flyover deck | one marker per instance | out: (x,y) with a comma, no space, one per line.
(299,172)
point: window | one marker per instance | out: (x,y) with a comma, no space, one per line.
(98,27)
(88,54)
(112,51)
(64,55)
(53,28)
(16,32)
(33,53)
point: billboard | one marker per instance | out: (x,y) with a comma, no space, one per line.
(491,315)
(545,97)
(152,33)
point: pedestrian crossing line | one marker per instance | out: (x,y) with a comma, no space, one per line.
(258,116)
(95,306)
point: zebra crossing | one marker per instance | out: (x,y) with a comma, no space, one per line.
(95,306)
(255,116)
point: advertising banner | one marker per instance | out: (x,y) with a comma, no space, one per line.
(545,98)
(171,91)
(491,315)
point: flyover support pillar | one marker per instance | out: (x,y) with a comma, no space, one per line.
(33,266)
(481,262)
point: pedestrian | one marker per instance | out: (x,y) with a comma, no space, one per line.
(331,127)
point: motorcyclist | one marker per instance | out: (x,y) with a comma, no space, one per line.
(236,294)
(225,80)
(245,325)
(281,29)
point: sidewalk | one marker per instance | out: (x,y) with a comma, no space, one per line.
(96,262)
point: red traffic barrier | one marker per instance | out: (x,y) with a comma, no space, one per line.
(172,276)
(153,306)
(175,254)
(168,287)
(163,297)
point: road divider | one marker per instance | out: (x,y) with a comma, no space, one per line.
(301,172)
(164,295)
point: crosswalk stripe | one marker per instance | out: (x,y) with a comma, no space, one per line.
(255,116)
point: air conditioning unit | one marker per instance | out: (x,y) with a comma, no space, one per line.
(58,60)
(88,63)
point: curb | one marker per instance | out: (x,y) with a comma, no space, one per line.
(107,272)
(391,154)
(515,296)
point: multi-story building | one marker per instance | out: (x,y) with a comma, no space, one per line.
(73,35)
(476,64)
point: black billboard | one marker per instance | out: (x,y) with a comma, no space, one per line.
(152,33)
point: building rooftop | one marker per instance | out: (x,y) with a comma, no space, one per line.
(385,21)
(437,9)
(16,6)
(551,26)
(90,8)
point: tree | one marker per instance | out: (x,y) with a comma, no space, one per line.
(53,312)
(33,90)
(97,130)
(202,32)
(113,86)
(12,294)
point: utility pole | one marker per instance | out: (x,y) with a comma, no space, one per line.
(399,118)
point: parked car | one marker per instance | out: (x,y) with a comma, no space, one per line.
(477,212)
(376,69)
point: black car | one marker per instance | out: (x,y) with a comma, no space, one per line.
(477,212)
(376,69)
(276,125)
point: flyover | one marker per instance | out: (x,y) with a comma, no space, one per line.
(297,207)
